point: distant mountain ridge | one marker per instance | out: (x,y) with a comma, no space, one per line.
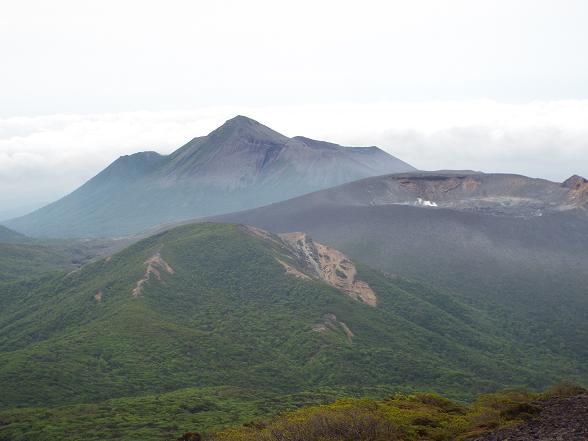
(496,194)
(9,236)
(242,164)
(23,257)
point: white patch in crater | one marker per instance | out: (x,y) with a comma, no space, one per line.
(424,203)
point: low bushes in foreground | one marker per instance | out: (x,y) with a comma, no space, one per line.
(401,417)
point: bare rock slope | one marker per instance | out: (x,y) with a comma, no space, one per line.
(313,260)
(331,266)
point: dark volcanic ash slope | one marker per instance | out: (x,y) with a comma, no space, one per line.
(240,165)
(560,418)
(512,245)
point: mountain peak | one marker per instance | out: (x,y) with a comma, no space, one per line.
(243,127)
(133,166)
(241,120)
(577,190)
(574,181)
(242,164)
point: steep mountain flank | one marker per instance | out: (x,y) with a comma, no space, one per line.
(511,245)
(210,305)
(240,165)
(319,262)
(154,265)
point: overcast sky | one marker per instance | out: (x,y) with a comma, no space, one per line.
(487,85)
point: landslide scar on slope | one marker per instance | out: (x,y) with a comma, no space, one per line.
(435,189)
(155,264)
(319,262)
(331,266)
(330,322)
(578,190)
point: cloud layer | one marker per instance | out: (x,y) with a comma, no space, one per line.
(43,158)
(103,56)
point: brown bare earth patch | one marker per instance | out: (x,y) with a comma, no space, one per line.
(318,262)
(409,185)
(578,190)
(436,189)
(330,322)
(471,184)
(341,273)
(155,264)
(446,186)
(331,266)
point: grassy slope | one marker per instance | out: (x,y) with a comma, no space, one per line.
(229,316)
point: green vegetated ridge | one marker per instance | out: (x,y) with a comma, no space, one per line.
(21,261)
(9,236)
(27,258)
(207,312)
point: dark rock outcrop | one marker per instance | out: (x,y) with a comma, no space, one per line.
(560,419)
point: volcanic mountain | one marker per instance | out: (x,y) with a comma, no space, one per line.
(513,246)
(242,164)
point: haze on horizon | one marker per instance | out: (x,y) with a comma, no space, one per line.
(492,86)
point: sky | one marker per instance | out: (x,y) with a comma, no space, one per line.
(443,84)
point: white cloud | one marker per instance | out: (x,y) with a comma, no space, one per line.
(45,157)
(112,55)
